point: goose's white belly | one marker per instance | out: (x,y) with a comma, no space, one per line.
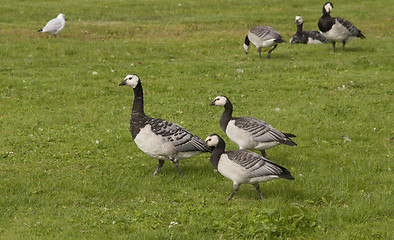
(261,43)
(157,147)
(266,43)
(154,145)
(244,139)
(239,174)
(338,33)
(241,137)
(313,41)
(232,170)
(266,145)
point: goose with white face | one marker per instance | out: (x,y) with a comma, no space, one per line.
(328,7)
(130,80)
(219,101)
(298,20)
(212,140)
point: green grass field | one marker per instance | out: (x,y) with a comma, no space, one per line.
(70,170)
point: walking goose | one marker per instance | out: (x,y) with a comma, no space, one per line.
(55,25)
(337,29)
(158,138)
(306,37)
(241,166)
(248,132)
(262,36)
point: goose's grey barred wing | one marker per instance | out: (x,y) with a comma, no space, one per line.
(182,139)
(255,164)
(316,35)
(260,130)
(264,32)
(349,26)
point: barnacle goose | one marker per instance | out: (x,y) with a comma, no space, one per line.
(158,138)
(337,29)
(55,25)
(241,166)
(306,37)
(248,132)
(262,36)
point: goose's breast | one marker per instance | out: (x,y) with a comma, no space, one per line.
(338,33)
(242,138)
(154,145)
(232,170)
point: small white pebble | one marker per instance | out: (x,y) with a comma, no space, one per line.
(107,131)
(301,175)
(277,109)
(97,142)
(94,73)
(113,222)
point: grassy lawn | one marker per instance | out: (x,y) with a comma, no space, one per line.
(70,169)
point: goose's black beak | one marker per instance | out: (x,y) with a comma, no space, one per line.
(122,83)
(212,103)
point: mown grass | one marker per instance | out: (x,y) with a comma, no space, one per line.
(69,168)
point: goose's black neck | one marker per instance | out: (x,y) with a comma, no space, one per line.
(138,104)
(325,13)
(217,152)
(226,116)
(247,42)
(299,28)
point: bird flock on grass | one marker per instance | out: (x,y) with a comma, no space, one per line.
(165,140)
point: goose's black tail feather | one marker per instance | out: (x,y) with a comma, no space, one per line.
(288,141)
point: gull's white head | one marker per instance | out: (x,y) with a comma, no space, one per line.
(328,6)
(61,16)
(212,140)
(219,101)
(298,20)
(130,80)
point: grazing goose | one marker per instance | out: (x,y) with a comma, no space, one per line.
(306,37)
(241,166)
(337,29)
(262,36)
(55,25)
(248,132)
(158,138)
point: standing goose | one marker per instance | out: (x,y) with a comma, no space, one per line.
(55,25)
(337,29)
(306,37)
(158,138)
(248,132)
(262,36)
(241,166)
